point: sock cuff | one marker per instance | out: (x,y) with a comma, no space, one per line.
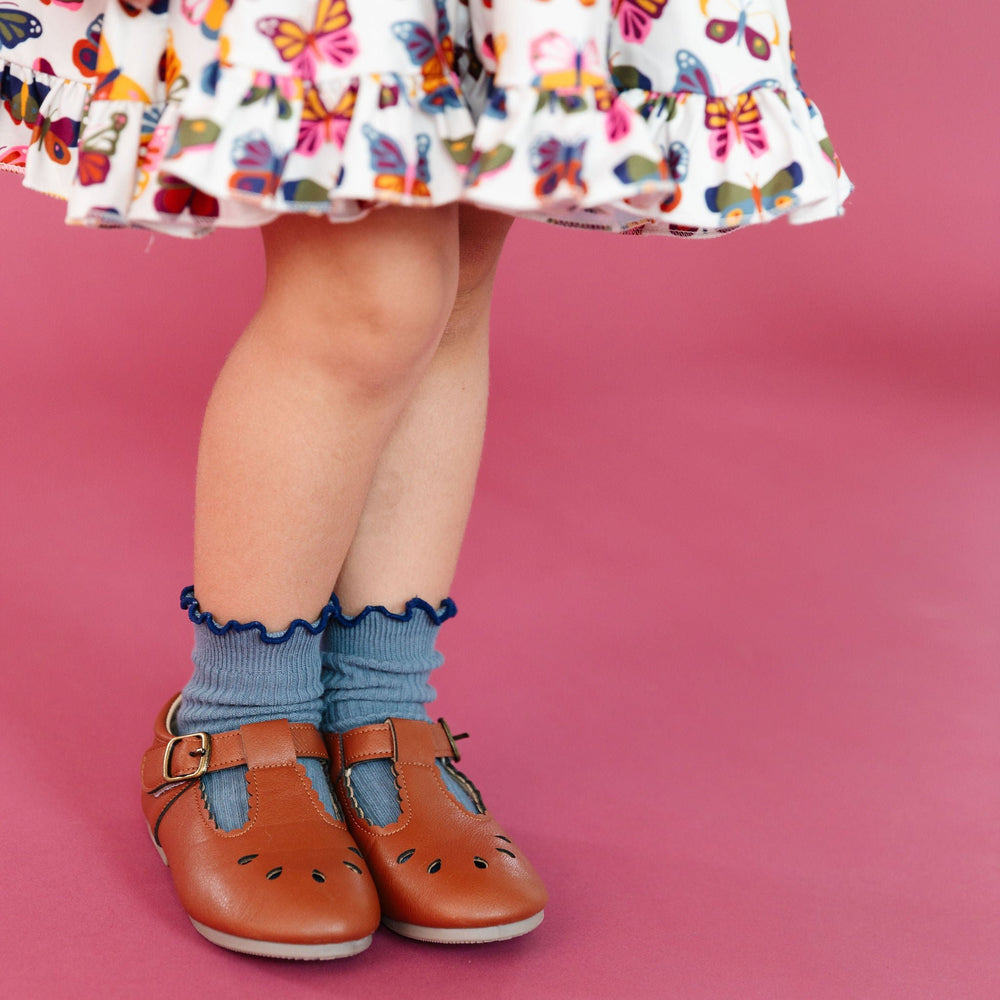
(243,673)
(394,644)
(241,656)
(255,629)
(415,607)
(379,664)
(237,679)
(331,613)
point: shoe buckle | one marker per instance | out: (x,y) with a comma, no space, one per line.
(202,752)
(455,755)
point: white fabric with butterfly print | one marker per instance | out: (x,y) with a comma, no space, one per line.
(682,117)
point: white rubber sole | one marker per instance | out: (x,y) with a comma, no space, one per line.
(464,935)
(282,949)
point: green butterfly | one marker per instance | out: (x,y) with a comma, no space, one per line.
(737,204)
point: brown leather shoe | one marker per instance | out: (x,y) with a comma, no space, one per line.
(443,874)
(291,882)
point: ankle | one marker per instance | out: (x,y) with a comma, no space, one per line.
(244,674)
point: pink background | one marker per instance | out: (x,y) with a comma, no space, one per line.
(728,639)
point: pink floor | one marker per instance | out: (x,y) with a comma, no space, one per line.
(729,635)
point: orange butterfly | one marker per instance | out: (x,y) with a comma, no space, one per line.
(434,56)
(94,160)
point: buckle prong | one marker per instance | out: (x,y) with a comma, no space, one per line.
(204,752)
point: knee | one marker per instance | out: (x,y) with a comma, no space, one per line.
(367,311)
(390,330)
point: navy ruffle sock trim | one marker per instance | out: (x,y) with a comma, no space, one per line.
(331,613)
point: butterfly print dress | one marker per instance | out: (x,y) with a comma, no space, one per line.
(683,117)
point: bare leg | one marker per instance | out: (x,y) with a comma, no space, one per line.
(350,320)
(410,532)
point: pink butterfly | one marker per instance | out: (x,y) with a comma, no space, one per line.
(330,39)
(635,17)
(737,121)
(729,121)
(321,124)
(563,67)
(617,123)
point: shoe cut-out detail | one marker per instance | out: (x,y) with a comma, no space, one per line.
(506,850)
(317,875)
(473,895)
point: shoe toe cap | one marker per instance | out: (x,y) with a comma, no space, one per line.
(469,890)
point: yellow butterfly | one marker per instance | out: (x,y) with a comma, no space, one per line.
(111,83)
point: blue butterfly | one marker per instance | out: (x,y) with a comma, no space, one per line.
(393,173)
(496,101)
(556,163)
(693,77)
(22,99)
(258,167)
(425,52)
(678,160)
(17,26)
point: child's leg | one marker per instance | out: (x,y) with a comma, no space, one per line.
(408,539)
(448,873)
(350,320)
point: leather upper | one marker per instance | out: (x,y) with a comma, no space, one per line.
(438,865)
(292,873)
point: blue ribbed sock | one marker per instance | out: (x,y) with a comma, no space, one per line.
(377,666)
(244,674)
